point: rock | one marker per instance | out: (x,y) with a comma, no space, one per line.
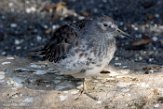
(2,75)
(5,63)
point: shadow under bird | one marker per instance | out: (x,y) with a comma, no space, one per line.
(83,49)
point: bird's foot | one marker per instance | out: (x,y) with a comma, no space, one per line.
(84,91)
(81,92)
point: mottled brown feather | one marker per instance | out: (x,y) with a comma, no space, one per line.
(81,24)
(58,46)
(63,39)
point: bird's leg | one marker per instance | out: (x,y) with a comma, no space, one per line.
(84,89)
(84,85)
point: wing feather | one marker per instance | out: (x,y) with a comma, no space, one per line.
(63,39)
(61,42)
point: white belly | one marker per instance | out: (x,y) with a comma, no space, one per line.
(78,67)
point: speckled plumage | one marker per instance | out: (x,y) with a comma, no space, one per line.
(84,48)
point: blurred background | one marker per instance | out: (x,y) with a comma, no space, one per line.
(26,24)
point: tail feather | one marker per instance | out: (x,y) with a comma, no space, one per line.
(37,53)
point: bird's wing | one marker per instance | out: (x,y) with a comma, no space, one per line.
(81,24)
(63,39)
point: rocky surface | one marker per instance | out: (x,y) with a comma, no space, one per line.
(136,73)
(28,84)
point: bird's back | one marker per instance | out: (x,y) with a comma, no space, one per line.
(64,39)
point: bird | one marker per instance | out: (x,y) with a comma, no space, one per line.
(84,48)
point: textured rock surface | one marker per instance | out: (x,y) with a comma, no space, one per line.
(26,84)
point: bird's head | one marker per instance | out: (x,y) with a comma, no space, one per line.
(107,25)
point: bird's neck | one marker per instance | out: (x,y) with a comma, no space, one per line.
(112,41)
(111,47)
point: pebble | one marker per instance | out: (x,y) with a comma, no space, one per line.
(116,58)
(40,72)
(73,92)
(2,75)
(81,17)
(151,71)
(28,100)
(121,23)
(10,58)
(13,25)
(17,42)
(27,2)
(123,85)
(134,27)
(10,4)
(45,26)
(124,67)
(18,47)
(155,38)
(157,105)
(65,92)
(3,17)
(35,66)
(157,15)
(144,85)
(17,82)
(5,63)
(62,97)
(95,10)
(30,10)
(124,90)
(128,94)
(55,27)
(3,53)
(140,58)
(118,64)
(47,85)
(39,38)
(99,102)
(150,59)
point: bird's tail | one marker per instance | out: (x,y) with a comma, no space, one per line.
(36,53)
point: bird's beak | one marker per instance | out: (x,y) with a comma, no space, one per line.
(120,32)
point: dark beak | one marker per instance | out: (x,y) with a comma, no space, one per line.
(120,32)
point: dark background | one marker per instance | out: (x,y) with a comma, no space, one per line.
(28,24)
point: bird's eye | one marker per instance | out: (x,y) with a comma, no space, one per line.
(105,25)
